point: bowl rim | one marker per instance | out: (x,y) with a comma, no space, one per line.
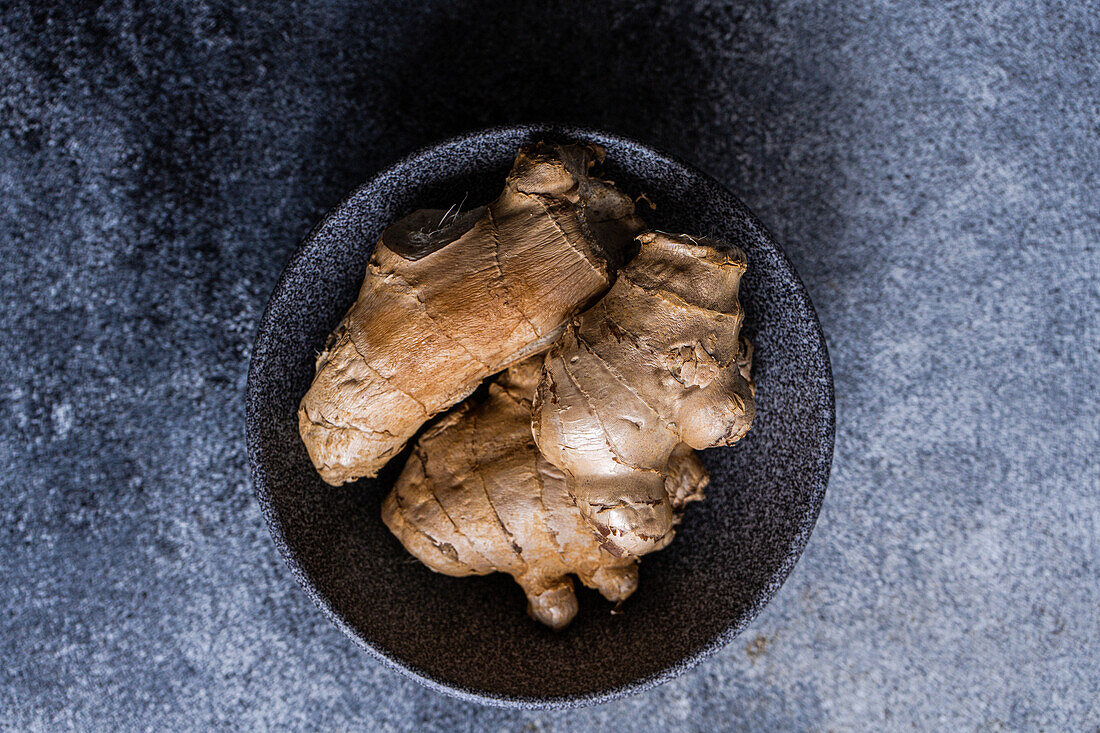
(819,477)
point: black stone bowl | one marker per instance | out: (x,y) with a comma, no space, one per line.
(470,637)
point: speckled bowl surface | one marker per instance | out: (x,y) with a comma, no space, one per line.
(470,637)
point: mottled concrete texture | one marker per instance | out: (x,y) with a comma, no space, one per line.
(932,169)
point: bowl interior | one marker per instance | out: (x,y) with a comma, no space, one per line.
(470,636)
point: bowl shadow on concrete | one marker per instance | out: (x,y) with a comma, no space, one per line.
(702,83)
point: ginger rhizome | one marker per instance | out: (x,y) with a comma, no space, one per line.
(657,362)
(451,298)
(575,462)
(477,497)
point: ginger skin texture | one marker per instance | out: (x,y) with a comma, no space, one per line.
(477,497)
(657,362)
(450,299)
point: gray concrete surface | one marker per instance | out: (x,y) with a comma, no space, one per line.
(932,169)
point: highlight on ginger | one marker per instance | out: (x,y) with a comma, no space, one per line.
(450,299)
(612,354)
(477,497)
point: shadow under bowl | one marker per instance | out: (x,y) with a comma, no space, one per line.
(470,637)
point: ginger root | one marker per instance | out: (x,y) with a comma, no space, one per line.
(658,362)
(477,497)
(450,299)
(576,462)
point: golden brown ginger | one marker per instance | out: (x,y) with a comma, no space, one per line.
(659,361)
(476,497)
(451,299)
